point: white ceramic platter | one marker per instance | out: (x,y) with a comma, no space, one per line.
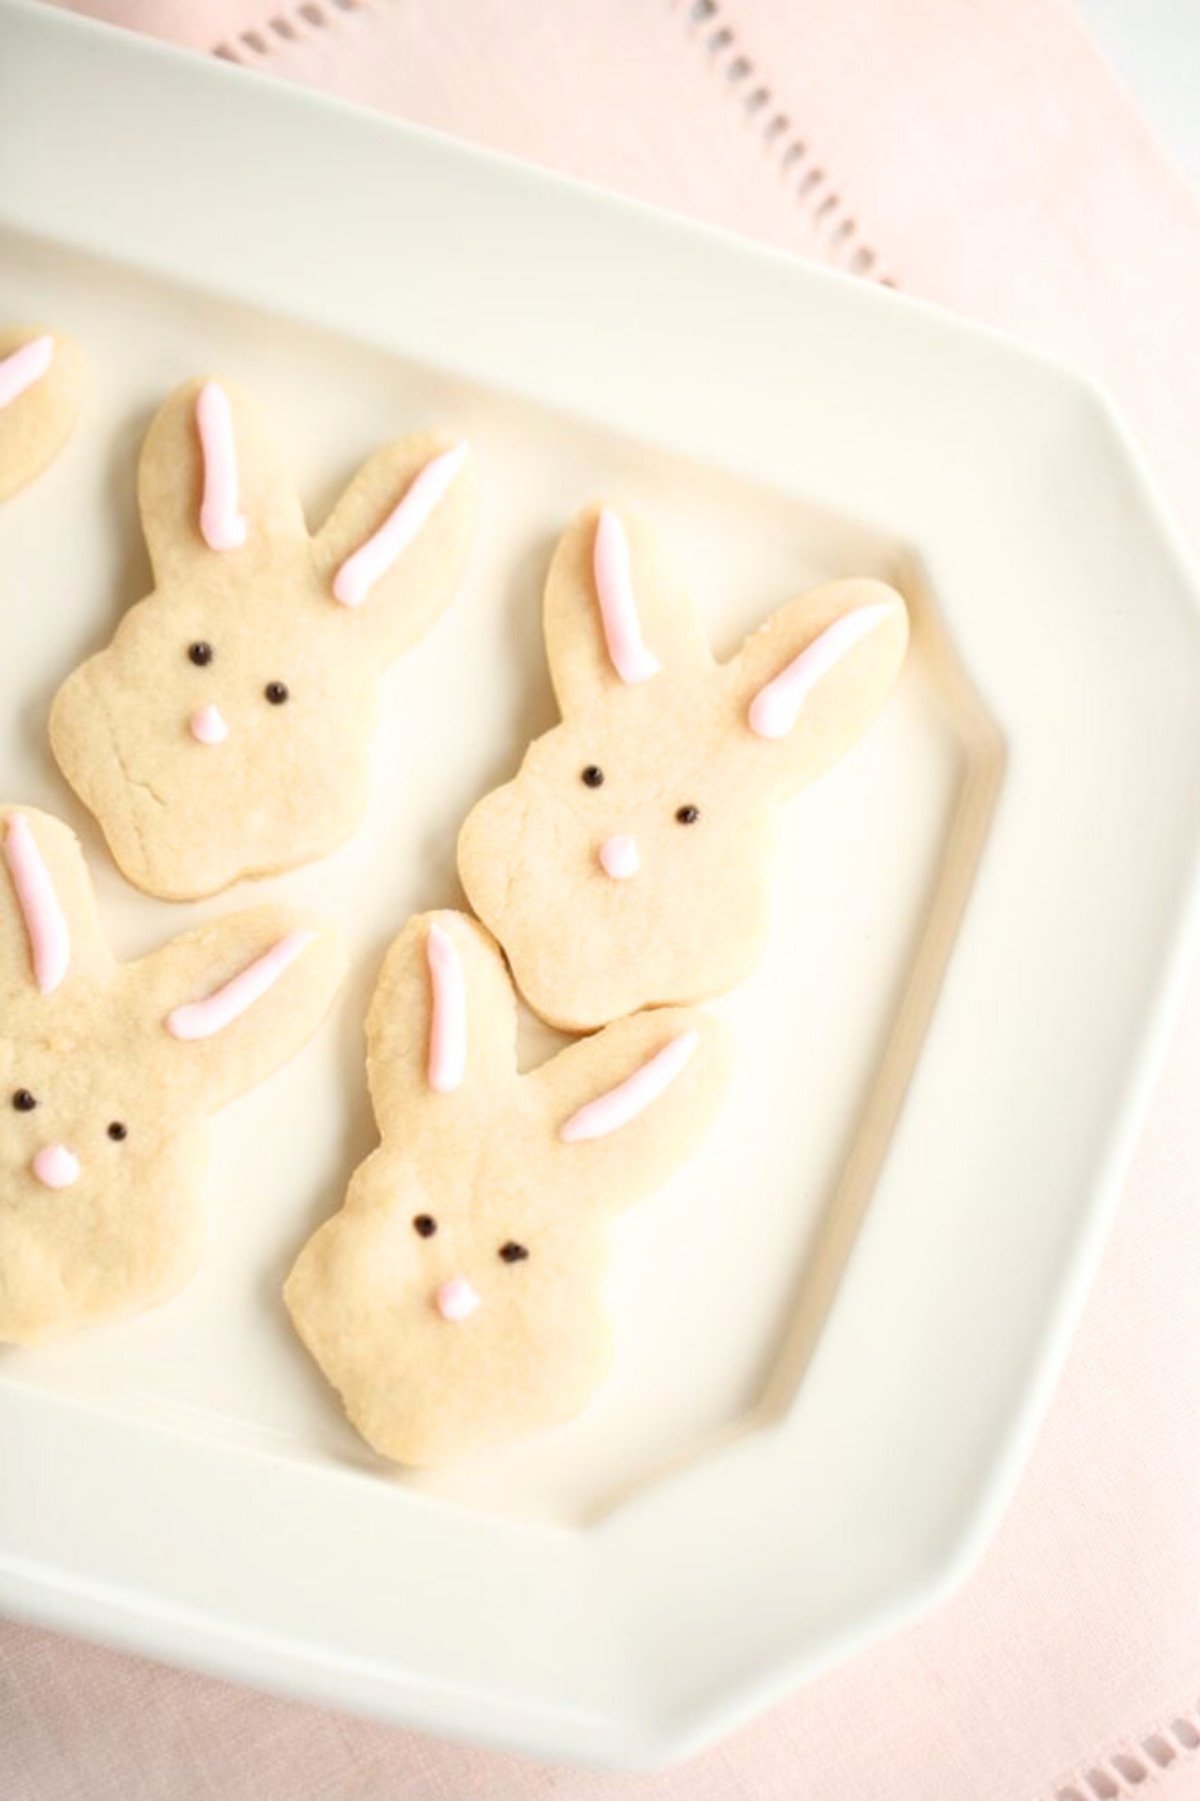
(838,1326)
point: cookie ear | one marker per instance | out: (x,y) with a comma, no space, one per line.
(234,1000)
(810,681)
(630,1104)
(615,613)
(212,480)
(442,1027)
(42,382)
(394,548)
(49,932)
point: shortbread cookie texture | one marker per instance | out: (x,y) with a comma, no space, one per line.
(108,1073)
(226,729)
(627,863)
(42,381)
(456,1300)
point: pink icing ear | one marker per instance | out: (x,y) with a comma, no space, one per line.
(608,1112)
(45,922)
(776,707)
(627,651)
(25,366)
(360,572)
(205,1018)
(448,1013)
(221,525)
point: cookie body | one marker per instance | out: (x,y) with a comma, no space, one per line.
(627,863)
(42,382)
(109,1072)
(457,1301)
(226,729)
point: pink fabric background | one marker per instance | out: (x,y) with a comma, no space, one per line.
(977,152)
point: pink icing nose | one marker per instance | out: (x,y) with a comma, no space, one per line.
(56,1166)
(208,726)
(456,1299)
(619,856)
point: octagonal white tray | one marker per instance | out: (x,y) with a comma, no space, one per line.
(840,1325)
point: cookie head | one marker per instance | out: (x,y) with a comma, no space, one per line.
(623,867)
(108,1073)
(627,864)
(226,729)
(453,1308)
(457,1299)
(85,1138)
(224,733)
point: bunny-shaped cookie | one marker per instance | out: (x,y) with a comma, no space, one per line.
(456,1300)
(42,379)
(226,728)
(108,1073)
(626,864)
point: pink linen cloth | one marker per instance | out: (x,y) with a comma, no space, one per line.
(977,152)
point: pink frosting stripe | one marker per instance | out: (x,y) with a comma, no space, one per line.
(25,366)
(221,525)
(608,1112)
(776,708)
(360,572)
(204,1019)
(627,650)
(45,922)
(448,1013)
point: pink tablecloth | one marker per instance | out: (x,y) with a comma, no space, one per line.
(977,152)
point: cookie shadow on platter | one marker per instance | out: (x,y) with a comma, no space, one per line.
(523,647)
(358,1134)
(116,588)
(127,574)
(462,750)
(131,575)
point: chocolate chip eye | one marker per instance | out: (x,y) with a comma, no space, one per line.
(425,1225)
(687,815)
(117,1131)
(512,1252)
(593,776)
(276,693)
(200,653)
(23,1101)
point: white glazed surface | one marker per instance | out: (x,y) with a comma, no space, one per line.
(623,1588)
